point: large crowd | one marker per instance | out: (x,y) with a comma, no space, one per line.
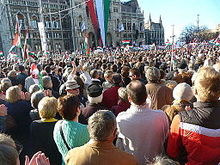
(153,107)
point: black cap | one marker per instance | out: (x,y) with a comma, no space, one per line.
(94,90)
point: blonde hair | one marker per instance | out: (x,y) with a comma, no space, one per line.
(207,84)
(13,94)
(47,107)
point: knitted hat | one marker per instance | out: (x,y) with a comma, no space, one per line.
(94,90)
(183,91)
(72,84)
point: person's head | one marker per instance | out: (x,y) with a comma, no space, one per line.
(153,74)
(36,97)
(8,155)
(94,92)
(116,79)
(13,94)
(34,88)
(6,140)
(159,160)
(108,75)
(137,93)
(4,86)
(72,87)
(102,126)
(125,71)
(183,92)
(207,88)
(5,80)
(47,82)
(69,107)
(122,93)
(47,107)
(171,84)
(134,74)
(94,74)
(47,69)
(21,68)
(12,73)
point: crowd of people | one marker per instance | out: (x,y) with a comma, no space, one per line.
(155,107)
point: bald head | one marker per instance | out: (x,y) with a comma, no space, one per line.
(137,92)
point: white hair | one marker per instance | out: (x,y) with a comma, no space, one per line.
(95,100)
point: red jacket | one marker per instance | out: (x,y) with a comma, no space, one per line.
(196,132)
(110,97)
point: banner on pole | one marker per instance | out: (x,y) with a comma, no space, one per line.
(42,36)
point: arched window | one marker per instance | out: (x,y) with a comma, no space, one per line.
(34,22)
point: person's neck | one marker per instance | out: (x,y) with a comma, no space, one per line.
(91,141)
(75,119)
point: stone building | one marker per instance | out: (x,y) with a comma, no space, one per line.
(58,31)
(64,30)
(154,32)
(133,22)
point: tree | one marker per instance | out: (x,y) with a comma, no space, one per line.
(191,33)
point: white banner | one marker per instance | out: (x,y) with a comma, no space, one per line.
(100,14)
(42,36)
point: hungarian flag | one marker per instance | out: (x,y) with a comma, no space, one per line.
(14,56)
(1,54)
(32,55)
(168,43)
(126,41)
(102,10)
(17,35)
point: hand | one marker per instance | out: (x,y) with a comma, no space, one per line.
(39,158)
(3,110)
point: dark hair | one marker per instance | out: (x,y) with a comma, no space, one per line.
(125,71)
(21,68)
(116,78)
(135,72)
(48,69)
(67,106)
(94,73)
(137,92)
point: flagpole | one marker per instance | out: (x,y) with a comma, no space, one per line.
(172,54)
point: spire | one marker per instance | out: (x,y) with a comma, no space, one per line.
(160,20)
(150,18)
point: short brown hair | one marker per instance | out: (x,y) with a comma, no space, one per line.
(207,84)
(67,106)
(137,92)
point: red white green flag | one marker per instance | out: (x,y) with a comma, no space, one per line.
(1,54)
(32,55)
(126,41)
(17,35)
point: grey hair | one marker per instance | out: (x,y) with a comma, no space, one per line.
(162,160)
(101,125)
(34,88)
(153,74)
(46,80)
(36,97)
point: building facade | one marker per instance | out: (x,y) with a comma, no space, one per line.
(58,31)
(64,29)
(154,32)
